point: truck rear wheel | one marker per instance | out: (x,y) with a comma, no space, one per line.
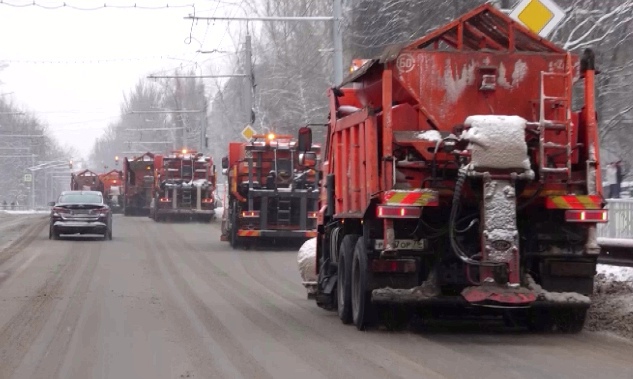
(569,320)
(234,239)
(361,297)
(344,276)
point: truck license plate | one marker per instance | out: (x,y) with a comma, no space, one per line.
(402,244)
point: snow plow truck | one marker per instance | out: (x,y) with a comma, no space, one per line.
(457,175)
(112,183)
(184,186)
(138,175)
(270,194)
(86,180)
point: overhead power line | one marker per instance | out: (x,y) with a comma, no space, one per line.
(100,7)
(92,61)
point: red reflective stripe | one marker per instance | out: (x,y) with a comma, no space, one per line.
(411,198)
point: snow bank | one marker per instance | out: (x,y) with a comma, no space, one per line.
(615,273)
(612,302)
(307,264)
(429,135)
(497,142)
(30,212)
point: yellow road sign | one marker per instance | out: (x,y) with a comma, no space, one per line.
(540,16)
(248,132)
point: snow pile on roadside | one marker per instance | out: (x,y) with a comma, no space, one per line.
(307,264)
(30,212)
(612,307)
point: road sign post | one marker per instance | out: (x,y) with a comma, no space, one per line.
(248,132)
(540,16)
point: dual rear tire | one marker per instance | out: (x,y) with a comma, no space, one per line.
(353,292)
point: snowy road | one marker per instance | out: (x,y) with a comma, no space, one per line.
(172,301)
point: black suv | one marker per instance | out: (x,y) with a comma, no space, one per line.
(80,212)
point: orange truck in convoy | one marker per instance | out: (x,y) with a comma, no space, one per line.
(86,180)
(112,182)
(184,186)
(272,190)
(457,171)
(138,180)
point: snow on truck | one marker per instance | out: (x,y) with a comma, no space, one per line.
(271,194)
(184,186)
(456,172)
(138,175)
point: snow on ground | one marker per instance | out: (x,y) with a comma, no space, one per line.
(30,212)
(612,302)
(621,274)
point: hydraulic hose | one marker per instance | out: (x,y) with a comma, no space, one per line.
(452,230)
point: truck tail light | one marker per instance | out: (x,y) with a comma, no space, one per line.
(207,201)
(312,214)
(600,215)
(398,212)
(165,200)
(382,265)
(250,214)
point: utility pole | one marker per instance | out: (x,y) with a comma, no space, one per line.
(248,70)
(179,134)
(337,34)
(336,31)
(32,182)
(202,143)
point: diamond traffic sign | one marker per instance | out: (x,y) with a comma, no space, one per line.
(540,16)
(248,132)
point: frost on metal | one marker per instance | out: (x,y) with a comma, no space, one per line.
(518,75)
(429,135)
(559,297)
(307,264)
(497,142)
(455,86)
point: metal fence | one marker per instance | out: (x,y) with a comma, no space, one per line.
(620,217)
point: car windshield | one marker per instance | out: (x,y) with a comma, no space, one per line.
(80,198)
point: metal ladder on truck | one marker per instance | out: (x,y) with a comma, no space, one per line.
(186,172)
(558,98)
(283,211)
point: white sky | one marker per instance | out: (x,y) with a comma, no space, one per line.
(78,100)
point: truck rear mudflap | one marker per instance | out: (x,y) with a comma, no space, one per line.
(271,233)
(491,295)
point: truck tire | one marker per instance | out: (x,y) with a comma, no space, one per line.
(344,276)
(233,238)
(52,234)
(361,297)
(572,321)
(566,320)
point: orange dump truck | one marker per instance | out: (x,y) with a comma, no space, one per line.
(138,180)
(184,186)
(86,180)
(457,172)
(112,183)
(272,190)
